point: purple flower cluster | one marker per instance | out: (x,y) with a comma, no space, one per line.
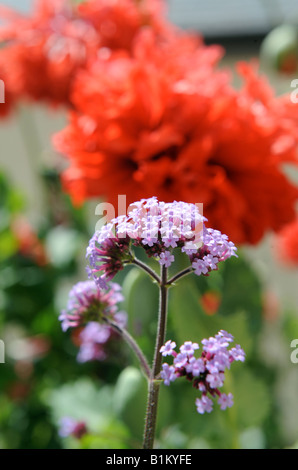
(87,303)
(216,248)
(107,254)
(89,307)
(207,371)
(159,228)
(94,337)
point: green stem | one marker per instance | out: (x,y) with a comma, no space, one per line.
(154,383)
(180,275)
(146,268)
(133,345)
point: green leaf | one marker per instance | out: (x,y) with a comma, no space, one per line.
(141,304)
(252,438)
(8,245)
(62,245)
(241,290)
(252,398)
(82,400)
(279,49)
(10,199)
(190,323)
(129,399)
(113,436)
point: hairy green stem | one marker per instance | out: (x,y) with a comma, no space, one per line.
(146,268)
(153,382)
(180,275)
(133,345)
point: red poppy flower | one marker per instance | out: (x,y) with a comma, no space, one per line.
(165,122)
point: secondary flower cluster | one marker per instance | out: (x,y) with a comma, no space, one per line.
(86,303)
(88,308)
(158,228)
(207,371)
(95,338)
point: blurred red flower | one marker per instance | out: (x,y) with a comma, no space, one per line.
(43,51)
(28,242)
(210,302)
(164,121)
(286,244)
(119,21)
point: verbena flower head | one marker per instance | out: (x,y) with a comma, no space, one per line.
(92,341)
(207,373)
(87,303)
(158,228)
